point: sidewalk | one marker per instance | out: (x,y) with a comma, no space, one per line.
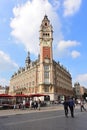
(27,110)
(20,111)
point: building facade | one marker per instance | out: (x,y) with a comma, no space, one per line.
(2,90)
(44,75)
(79,90)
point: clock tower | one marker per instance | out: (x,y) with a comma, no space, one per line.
(46,56)
(46,38)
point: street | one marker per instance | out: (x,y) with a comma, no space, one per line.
(44,120)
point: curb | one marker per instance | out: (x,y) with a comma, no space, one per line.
(18,111)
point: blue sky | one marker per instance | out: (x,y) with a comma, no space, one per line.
(19,32)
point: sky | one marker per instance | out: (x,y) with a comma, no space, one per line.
(20,22)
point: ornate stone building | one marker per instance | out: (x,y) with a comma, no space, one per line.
(79,90)
(44,76)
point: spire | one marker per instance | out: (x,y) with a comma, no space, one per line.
(45,20)
(27,61)
(45,17)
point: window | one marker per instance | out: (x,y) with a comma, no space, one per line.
(46,89)
(45,24)
(46,67)
(46,74)
(33,83)
(46,81)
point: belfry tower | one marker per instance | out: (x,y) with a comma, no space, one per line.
(46,56)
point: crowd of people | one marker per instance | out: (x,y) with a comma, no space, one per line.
(32,104)
(35,104)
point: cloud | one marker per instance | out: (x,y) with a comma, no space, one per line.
(75,54)
(4,82)
(62,45)
(71,7)
(27,20)
(6,67)
(82,79)
(6,64)
(56,4)
(64,48)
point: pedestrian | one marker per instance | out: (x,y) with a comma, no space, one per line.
(35,104)
(39,104)
(31,103)
(71,106)
(14,104)
(82,106)
(24,103)
(66,105)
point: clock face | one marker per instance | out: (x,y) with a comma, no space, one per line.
(46,60)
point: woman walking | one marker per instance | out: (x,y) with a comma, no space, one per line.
(82,106)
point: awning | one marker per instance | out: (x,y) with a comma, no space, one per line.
(20,95)
(37,95)
(5,95)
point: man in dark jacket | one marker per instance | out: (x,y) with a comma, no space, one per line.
(66,104)
(71,106)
